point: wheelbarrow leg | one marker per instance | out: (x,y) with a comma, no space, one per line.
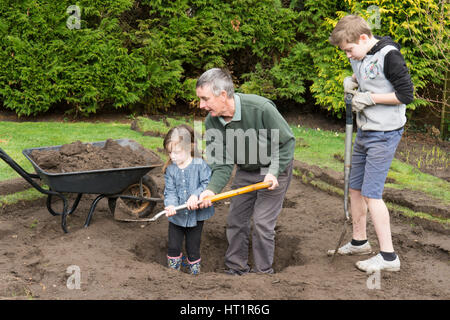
(49,206)
(74,206)
(65,211)
(64,216)
(91,211)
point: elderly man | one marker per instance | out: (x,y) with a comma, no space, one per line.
(248,131)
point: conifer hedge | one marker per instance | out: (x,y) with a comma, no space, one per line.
(147,54)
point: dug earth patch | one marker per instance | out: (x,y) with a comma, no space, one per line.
(78,156)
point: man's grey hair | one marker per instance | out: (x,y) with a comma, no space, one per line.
(218,80)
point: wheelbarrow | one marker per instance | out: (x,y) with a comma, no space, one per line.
(133,184)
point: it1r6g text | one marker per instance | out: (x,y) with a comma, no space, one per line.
(245,309)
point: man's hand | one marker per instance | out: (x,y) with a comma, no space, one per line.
(273,179)
(350,84)
(170,211)
(192,202)
(361,100)
(205,202)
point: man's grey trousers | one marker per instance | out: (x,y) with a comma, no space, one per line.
(264,206)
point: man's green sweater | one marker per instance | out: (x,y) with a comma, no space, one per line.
(257,138)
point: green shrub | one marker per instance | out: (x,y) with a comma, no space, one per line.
(407,22)
(181,39)
(147,54)
(45,63)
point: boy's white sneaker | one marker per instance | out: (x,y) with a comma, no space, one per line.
(349,249)
(377,263)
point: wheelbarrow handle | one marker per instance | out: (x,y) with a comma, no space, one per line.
(221,196)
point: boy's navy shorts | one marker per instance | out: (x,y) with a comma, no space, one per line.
(373,152)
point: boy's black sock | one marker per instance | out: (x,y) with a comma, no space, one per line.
(358,242)
(388,256)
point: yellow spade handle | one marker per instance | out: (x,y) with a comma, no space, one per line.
(236,192)
(217,197)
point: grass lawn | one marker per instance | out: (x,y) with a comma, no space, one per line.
(318,147)
(325,148)
(15,136)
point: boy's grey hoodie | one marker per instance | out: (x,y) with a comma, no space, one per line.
(383,70)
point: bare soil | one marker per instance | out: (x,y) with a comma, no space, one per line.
(119,260)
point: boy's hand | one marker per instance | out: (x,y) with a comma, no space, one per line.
(350,84)
(170,211)
(361,100)
(192,202)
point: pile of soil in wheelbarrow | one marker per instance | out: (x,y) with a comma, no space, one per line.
(78,156)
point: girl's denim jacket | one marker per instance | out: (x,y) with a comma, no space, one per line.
(180,184)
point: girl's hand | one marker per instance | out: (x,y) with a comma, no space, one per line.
(206,202)
(170,211)
(192,202)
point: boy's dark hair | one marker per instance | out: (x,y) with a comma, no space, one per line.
(349,29)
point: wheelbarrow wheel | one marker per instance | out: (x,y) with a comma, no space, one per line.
(149,190)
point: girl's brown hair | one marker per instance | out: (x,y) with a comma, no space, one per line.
(183,134)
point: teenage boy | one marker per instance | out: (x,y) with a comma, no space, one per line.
(384,88)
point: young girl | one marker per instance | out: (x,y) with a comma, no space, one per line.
(186,176)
